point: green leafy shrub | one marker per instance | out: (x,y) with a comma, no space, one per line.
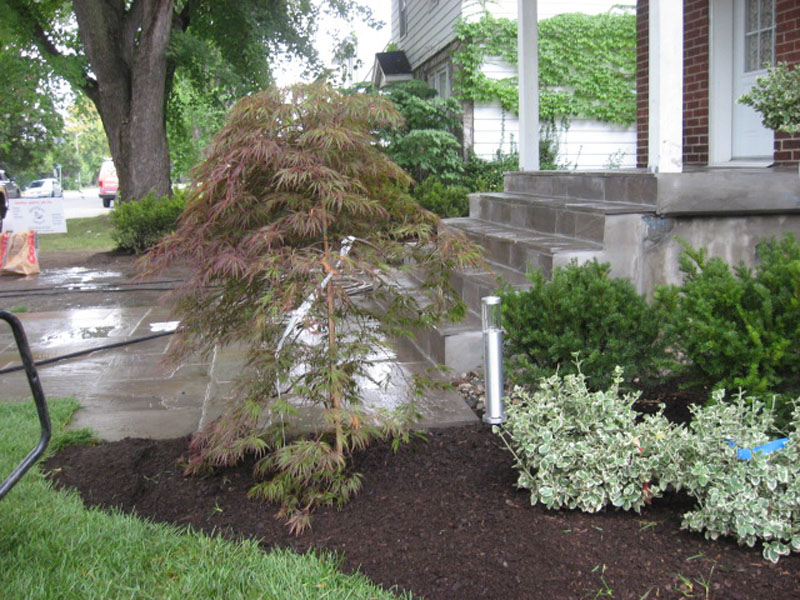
(481,175)
(444,200)
(580,310)
(422,109)
(138,226)
(425,152)
(586,450)
(736,328)
(750,500)
(427,141)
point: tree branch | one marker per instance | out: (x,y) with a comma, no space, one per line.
(131,25)
(49,49)
(184,17)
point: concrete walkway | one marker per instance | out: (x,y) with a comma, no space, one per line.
(131,391)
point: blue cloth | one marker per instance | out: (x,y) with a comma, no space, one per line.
(747,453)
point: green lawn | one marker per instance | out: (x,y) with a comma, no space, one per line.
(53,547)
(82,234)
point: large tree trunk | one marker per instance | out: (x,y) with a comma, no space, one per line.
(127,52)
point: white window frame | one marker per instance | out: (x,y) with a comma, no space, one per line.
(439,79)
(757,32)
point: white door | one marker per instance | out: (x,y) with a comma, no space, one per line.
(753,47)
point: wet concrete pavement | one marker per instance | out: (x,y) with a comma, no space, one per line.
(131,391)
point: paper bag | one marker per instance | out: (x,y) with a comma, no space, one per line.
(19,253)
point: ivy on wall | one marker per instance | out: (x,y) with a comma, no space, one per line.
(587,65)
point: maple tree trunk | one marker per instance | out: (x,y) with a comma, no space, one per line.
(335,393)
(127,53)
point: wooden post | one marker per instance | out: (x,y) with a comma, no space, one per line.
(528,50)
(665,142)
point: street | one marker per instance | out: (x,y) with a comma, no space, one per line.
(83,203)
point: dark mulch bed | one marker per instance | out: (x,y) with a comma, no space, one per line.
(443,519)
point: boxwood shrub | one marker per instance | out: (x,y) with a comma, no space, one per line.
(581,310)
(737,327)
(139,225)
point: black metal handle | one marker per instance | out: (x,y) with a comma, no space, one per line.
(38,396)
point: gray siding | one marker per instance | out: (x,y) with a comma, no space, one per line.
(430,27)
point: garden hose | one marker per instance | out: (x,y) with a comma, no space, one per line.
(48,361)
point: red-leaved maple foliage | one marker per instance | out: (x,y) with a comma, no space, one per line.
(293,174)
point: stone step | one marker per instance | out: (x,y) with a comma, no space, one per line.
(519,249)
(579,219)
(458,346)
(474,284)
(635,187)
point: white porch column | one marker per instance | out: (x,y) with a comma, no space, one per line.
(665,139)
(528,65)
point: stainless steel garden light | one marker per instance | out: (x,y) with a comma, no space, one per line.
(491,317)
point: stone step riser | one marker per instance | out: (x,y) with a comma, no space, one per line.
(637,188)
(460,350)
(456,345)
(472,287)
(541,216)
(555,206)
(517,256)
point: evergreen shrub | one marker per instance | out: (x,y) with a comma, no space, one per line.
(736,328)
(750,500)
(138,226)
(444,200)
(580,310)
(587,450)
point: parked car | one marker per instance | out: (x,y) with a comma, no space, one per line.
(43,188)
(8,190)
(108,182)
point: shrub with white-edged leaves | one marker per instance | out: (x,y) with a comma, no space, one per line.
(751,500)
(587,450)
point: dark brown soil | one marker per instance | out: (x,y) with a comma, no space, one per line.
(440,518)
(443,519)
(87,259)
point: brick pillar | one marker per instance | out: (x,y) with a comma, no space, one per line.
(642,85)
(695,81)
(787,49)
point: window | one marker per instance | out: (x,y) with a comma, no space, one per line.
(440,81)
(759,34)
(402,17)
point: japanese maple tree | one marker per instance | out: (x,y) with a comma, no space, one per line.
(294,179)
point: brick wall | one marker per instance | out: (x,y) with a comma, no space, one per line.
(696,78)
(642,87)
(695,81)
(787,49)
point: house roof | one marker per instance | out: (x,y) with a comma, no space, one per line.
(391,67)
(393,63)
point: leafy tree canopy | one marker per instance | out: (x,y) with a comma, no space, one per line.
(125,54)
(29,122)
(84,146)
